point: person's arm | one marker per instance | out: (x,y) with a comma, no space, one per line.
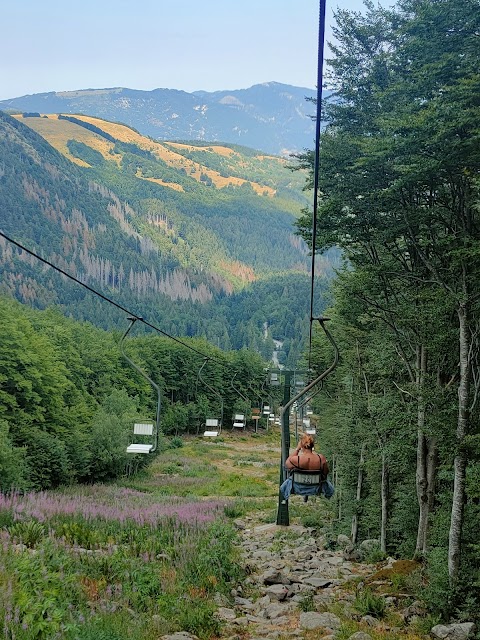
(292,461)
(324,467)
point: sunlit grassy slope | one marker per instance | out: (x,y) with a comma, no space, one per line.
(219,166)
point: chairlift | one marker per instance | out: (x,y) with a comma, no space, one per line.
(141,429)
(309,430)
(239,419)
(274,380)
(147,429)
(282,512)
(256,412)
(213,426)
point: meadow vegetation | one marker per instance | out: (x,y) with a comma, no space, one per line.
(135,559)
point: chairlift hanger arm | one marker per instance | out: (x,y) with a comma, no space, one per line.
(325,373)
(235,388)
(133,320)
(310,397)
(214,391)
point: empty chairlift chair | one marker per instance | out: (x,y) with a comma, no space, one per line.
(148,430)
(212,428)
(309,429)
(239,421)
(142,429)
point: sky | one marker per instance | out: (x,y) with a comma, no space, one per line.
(53,45)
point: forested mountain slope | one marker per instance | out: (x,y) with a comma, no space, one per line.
(271,116)
(168,230)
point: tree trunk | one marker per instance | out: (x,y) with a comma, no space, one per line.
(383,527)
(460,462)
(358,496)
(421,474)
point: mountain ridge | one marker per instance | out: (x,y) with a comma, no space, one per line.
(271,116)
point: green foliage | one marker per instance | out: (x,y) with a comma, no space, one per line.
(434,589)
(13,465)
(29,533)
(175,443)
(424,625)
(84,152)
(398,181)
(307,602)
(367,603)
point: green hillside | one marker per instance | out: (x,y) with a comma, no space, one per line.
(172,231)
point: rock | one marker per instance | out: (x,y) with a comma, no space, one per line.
(360,635)
(226,614)
(415,609)
(241,622)
(313,620)
(180,635)
(370,620)
(319,583)
(275,610)
(220,600)
(262,602)
(367,546)
(274,577)
(277,592)
(239,524)
(351,553)
(343,541)
(455,631)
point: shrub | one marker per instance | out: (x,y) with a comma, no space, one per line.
(175,443)
(307,602)
(367,603)
(28,533)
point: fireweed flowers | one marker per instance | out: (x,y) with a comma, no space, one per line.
(102,552)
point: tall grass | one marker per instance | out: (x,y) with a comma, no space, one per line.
(113,563)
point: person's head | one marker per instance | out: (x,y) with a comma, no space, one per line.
(307,442)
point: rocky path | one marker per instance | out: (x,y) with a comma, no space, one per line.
(294,580)
(298,587)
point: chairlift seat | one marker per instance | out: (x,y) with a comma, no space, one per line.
(139,448)
(239,421)
(306,482)
(141,429)
(311,432)
(211,433)
(302,476)
(266,410)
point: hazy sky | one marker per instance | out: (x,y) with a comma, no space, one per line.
(48,45)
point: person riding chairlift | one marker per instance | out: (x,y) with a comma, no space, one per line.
(304,458)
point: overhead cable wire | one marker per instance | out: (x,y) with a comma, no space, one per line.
(109,300)
(321,47)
